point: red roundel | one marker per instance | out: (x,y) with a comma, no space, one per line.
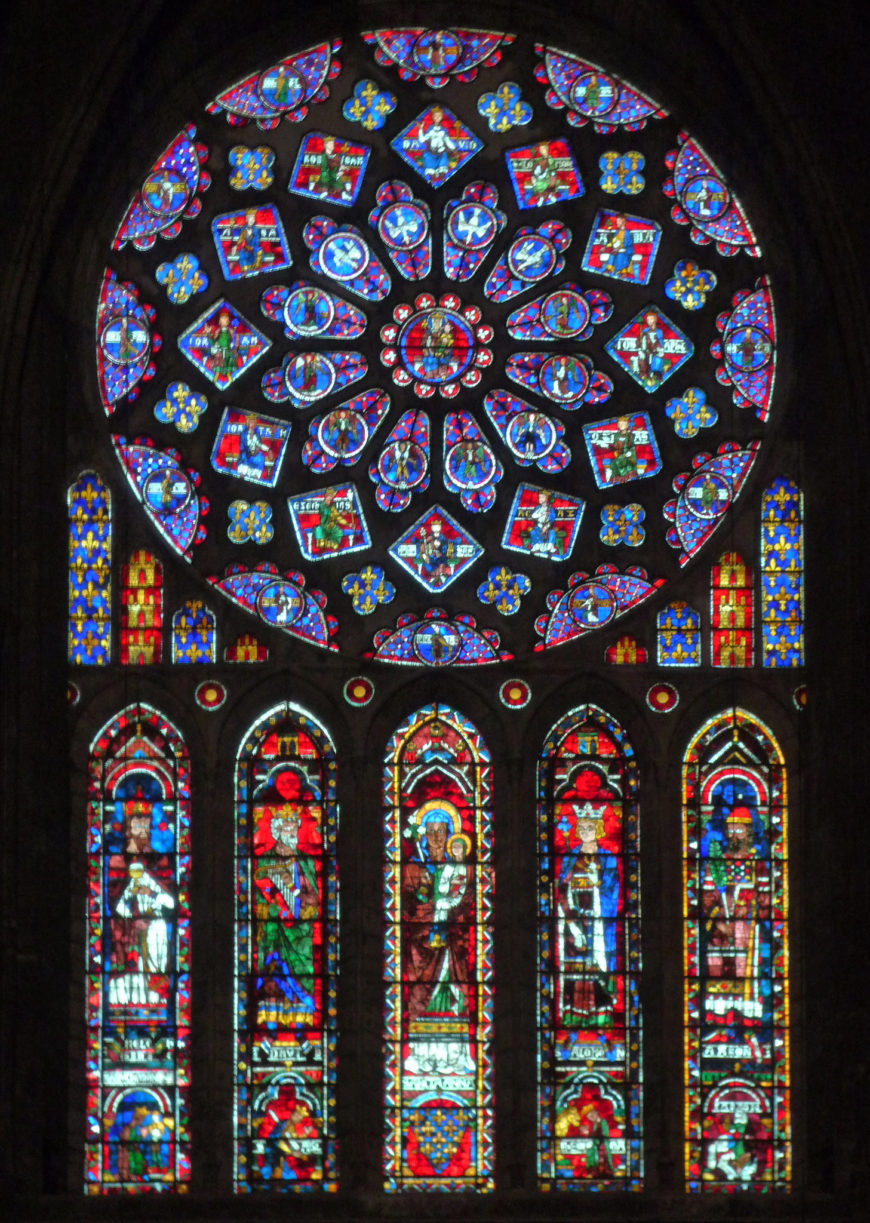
(359,690)
(210,694)
(662,698)
(515,693)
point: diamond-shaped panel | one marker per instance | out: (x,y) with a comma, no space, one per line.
(436,144)
(650,348)
(435,550)
(222,344)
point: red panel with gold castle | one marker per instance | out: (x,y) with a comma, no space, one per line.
(732,606)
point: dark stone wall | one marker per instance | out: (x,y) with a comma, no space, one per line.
(780,93)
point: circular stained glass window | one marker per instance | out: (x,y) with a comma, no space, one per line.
(404,336)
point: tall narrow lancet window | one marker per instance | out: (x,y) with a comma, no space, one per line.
(782,575)
(141,609)
(438,955)
(138,990)
(731,613)
(286,955)
(589,1055)
(736,987)
(90,571)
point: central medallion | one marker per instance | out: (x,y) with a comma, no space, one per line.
(436,345)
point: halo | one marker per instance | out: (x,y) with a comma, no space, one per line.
(459,836)
(435,811)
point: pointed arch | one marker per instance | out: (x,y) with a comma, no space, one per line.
(735,903)
(286,954)
(589,1029)
(438,955)
(138,997)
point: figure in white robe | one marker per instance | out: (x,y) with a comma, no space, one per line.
(141,939)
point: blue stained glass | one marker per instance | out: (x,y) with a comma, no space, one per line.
(782,575)
(222,344)
(567,313)
(168,194)
(167,491)
(436,640)
(435,549)
(251,168)
(280,600)
(369,105)
(470,466)
(622,524)
(533,255)
(737,1124)
(568,380)
(544,173)
(679,636)
(437,55)
(304,377)
(341,253)
(341,435)
(284,90)
(138,963)
(250,242)
(337,241)
(90,572)
(471,225)
(505,108)
(194,633)
(504,589)
(307,311)
(329,169)
(402,224)
(436,144)
(704,202)
(533,438)
(590,95)
(403,466)
(748,349)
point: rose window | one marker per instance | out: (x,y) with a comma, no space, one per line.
(442,332)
